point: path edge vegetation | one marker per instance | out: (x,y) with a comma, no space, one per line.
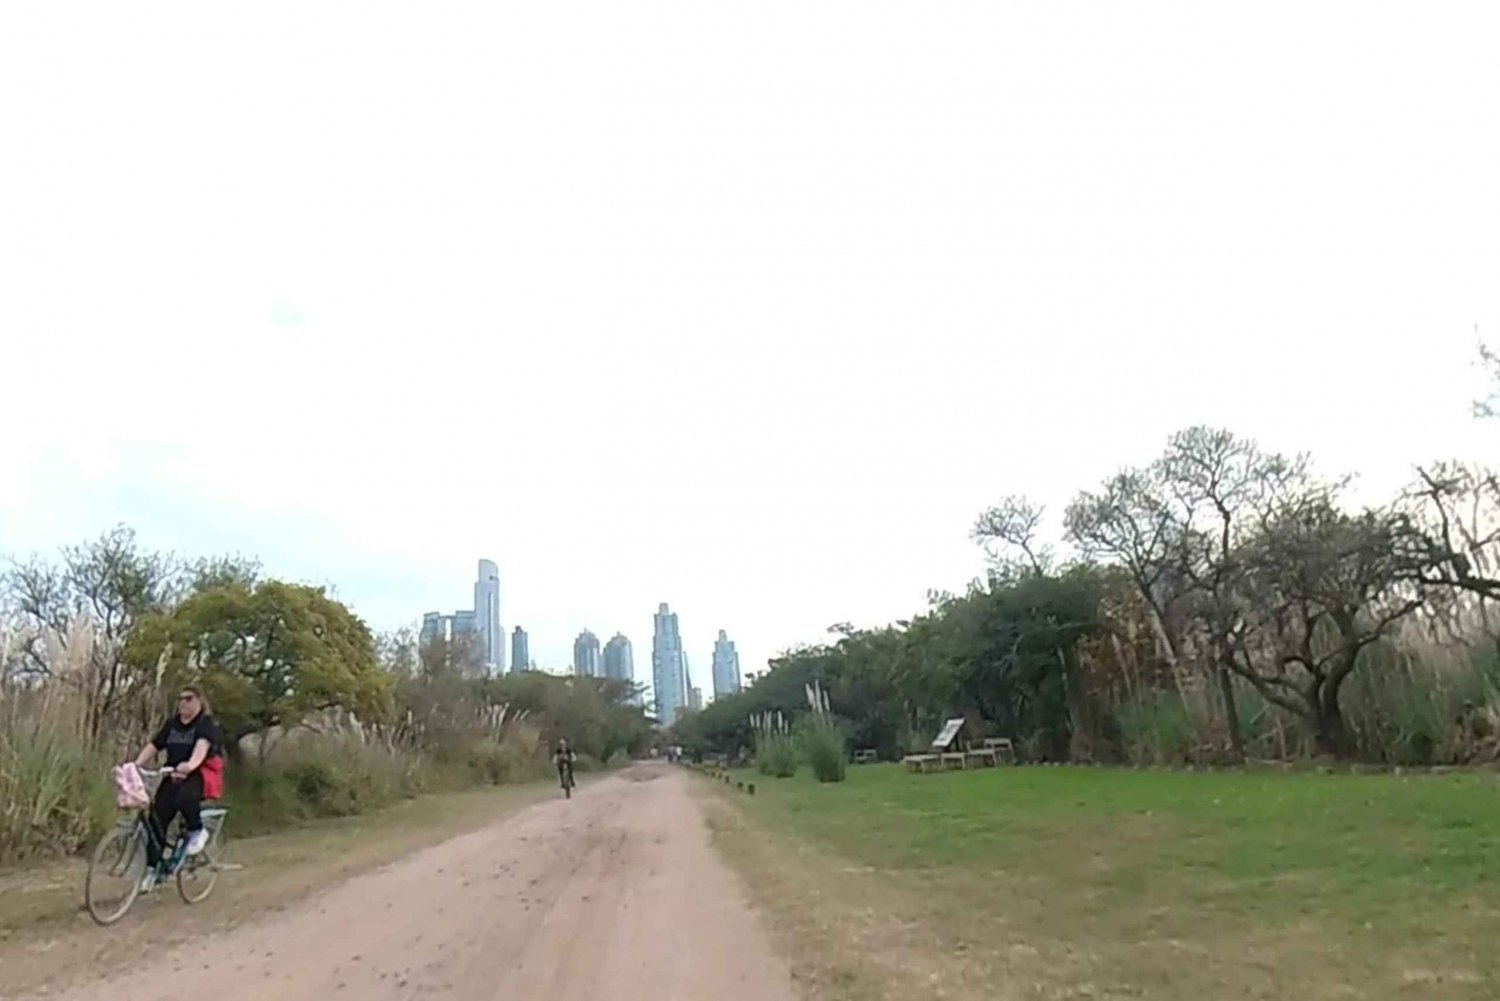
(323,717)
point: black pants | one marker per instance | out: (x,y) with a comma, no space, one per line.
(172,798)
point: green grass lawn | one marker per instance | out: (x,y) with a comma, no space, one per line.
(1173,884)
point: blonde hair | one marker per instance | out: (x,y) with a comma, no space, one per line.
(203,706)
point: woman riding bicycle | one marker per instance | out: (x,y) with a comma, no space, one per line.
(194,746)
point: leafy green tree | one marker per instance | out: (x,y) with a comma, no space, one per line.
(267,656)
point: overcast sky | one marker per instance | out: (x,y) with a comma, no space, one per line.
(745,306)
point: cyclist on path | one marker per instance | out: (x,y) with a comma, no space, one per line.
(563,758)
(194,746)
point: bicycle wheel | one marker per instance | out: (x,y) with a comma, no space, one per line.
(115,871)
(200,873)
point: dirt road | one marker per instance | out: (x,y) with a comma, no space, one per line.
(614,894)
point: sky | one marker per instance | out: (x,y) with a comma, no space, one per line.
(745,307)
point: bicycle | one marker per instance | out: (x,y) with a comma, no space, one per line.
(566,770)
(121,855)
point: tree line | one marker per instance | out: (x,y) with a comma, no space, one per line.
(1218,603)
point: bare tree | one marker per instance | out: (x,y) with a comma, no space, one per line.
(1129,522)
(110,584)
(1225,488)
(1325,585)
(1008,533)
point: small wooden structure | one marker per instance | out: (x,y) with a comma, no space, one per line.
(1002,748)
(866,756)
(946,753)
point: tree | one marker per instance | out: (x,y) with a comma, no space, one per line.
(268,656)
(1129,523)
(222,571)
(1008,533)
(112,583)
(1326,585)
(1489,405)
(1225,488)
(460,655)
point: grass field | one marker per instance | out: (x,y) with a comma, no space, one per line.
(1088,883)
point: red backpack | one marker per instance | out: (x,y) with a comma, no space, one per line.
(213,777)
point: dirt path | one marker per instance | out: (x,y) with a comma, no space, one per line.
(614,894)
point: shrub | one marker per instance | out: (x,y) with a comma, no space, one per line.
(55,795)
(824,748)
(514,758)
(1156,728)
(776,755)
(322,775)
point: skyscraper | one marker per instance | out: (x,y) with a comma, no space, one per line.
(695,699)
(726,666)
(487,617)
(463,624)
(668,667)
(434,628)
(520,651)
(619,659)
(586,655)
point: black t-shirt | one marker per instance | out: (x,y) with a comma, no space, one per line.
(178,739)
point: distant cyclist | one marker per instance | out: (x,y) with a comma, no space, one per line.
(563,758)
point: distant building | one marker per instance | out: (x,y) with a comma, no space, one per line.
(695,699)
(487,617)
(586,655)
(478,630)
(462,623)
(434,628)
(668,667)
(619,660)
(520,651)
(726,666)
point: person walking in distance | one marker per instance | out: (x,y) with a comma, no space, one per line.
(564,758)
(194,748)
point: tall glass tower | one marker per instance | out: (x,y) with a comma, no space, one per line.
(726,666)
(520,650)
(586,655)
(668,667)
(487,617)
(619,660)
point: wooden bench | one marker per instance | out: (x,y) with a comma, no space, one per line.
(866,756)
(986,756)
(1002,748)
(922,762)
(953,760)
